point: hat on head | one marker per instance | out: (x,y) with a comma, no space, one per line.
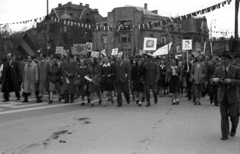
(227,54)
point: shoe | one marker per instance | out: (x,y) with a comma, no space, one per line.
(100,101)
(148,104)
(82,104)
(155,101)
(211,101)
(137,101)
(39,101)
(119,105)
(173,103)
(139,105)
(177,102)
(25,101)
(6,100)
(50,102)
(195,103)
(18,98)
(92,104)
(199,103)
(60,99)
(112,101)
(104,105)
(128,102)
(216,105)
(233,132)
(65,102)
(224,138)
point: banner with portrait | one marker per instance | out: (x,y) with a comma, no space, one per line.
(150,44)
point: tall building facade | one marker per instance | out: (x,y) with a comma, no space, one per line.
(129,39)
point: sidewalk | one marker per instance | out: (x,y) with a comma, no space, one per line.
(159,129)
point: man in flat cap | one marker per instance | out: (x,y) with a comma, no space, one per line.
(227,77)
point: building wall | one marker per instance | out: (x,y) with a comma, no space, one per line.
(172,32)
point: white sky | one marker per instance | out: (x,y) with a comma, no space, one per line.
(21,10)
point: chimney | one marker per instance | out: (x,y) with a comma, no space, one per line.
(155,11)
(96,10)
(87,5)
(59,4)
(69,3)
(80,4)
(145,6)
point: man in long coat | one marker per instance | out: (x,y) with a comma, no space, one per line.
(151,79)
(69,73)
(30,77)
(11,78)
(43,66)
(122,80)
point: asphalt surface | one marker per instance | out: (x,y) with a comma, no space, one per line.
(73,129)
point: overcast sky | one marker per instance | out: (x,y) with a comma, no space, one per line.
(21,10)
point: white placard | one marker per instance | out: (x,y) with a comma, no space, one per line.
(89,46)
(141,52)
(150,44)
(186,45)
(59,50)
(115,51)
(120,53)
(95,54)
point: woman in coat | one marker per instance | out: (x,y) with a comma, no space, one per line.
(82,72)
(30,78)
(94,80)
(107,73)
(174,78)
(138,72)
(54,76)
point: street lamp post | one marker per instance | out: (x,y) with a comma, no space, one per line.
(236,18)
(47,19)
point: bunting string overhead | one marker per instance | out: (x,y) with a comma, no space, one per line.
(159,23)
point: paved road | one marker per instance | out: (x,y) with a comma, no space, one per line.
(71,129)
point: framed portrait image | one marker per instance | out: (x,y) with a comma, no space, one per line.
(186,45)
(89,46)
(79,49)
(150,44)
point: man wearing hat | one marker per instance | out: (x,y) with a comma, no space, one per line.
(227,77)
(151,79)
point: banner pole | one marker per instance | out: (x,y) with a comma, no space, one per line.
(187,61)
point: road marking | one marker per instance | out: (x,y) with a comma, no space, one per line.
(17,105)
(36,108)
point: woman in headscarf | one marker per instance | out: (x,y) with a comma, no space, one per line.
(54,76)
(94,80)
(30,78)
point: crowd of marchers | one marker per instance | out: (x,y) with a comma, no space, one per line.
(100,79)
